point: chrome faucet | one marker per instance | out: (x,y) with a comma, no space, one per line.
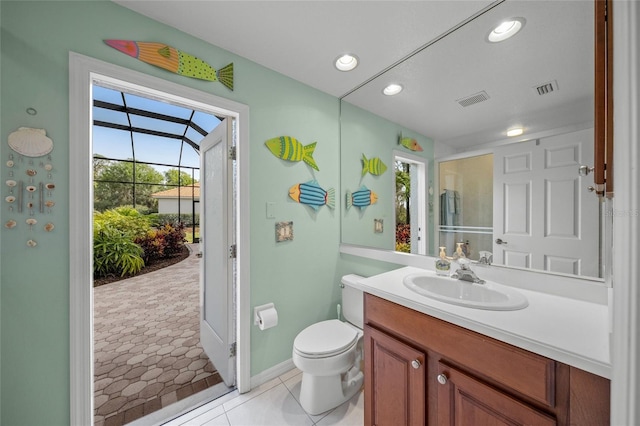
(465,273)
(486,258)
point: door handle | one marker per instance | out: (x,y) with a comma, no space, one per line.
(585,170)
(199,254)
(499,241)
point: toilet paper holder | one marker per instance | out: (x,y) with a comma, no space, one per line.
(258,309)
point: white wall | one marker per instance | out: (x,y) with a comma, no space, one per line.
(170,205)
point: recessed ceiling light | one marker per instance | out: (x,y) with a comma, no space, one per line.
(516,131)
(346,62)
(506,29)
(392,89)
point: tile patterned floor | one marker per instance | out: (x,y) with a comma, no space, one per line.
(272,403)
(147,351)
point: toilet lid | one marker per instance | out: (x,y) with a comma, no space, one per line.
(325,338)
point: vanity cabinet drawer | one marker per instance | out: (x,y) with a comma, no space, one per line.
(515,370)
(464,400)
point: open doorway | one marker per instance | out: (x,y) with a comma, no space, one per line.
(85,75)
(410,205)
(146,178)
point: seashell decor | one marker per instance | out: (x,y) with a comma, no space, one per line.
(30,142)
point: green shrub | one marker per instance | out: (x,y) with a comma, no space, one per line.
(403,247)
(174,238)
(115,253)
(186,218)
(124,219)
(153,246)
(162,243)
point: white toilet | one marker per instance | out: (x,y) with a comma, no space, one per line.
(329,352)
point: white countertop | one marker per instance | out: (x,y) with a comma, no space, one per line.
(571,331)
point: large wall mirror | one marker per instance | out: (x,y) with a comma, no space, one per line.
(518,199)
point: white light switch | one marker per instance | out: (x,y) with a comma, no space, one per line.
(270,208)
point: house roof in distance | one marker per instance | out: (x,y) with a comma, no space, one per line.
(186,191)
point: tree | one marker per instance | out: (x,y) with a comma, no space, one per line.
(403,192)
(173,177)
(114,184)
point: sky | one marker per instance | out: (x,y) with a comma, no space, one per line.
(114,143)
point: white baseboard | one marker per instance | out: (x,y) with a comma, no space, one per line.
(271,373)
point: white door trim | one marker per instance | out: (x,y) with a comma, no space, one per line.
(83,71)
(625,353)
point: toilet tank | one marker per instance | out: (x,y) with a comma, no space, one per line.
(352,300)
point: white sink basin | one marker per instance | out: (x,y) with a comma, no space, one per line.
(489,296)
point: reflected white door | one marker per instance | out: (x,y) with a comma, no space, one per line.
(543,212)
(217,308)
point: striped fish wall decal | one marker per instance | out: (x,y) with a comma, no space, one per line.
(374,166)
(312,195)
(410,143)
(361,198)
(174,60)
(291,149)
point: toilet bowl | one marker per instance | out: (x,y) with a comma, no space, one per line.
(329,353)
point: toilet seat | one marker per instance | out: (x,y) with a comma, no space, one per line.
(325,339)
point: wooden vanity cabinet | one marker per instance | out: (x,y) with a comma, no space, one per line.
(422,370)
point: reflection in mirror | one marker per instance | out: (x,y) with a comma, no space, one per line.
(410,203)
(373,224)
(462,93)
(466,205)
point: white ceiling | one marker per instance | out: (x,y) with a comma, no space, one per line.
(302,39)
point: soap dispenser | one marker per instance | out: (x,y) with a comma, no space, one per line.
(459,254)
(459,257)
(443,265)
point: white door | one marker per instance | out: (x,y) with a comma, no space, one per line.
(543,213)
(217,307)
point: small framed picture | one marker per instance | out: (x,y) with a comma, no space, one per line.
(284,231)
(378,226)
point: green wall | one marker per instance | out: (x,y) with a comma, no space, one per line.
(298,276)
(365,133)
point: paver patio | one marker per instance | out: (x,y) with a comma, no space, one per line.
(147,351)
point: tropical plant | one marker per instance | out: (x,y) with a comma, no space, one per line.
(115,253)
(162,243)
(403,192)
(114,249)
(126,220)
(403,237)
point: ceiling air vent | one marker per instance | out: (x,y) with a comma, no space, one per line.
(473,99)
(549,87)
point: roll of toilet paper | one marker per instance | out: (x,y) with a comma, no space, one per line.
(267,318)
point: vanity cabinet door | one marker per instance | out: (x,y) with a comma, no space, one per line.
(464,400)
(395,379)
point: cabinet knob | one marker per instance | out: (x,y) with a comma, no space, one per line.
(415,364)
(442,379)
